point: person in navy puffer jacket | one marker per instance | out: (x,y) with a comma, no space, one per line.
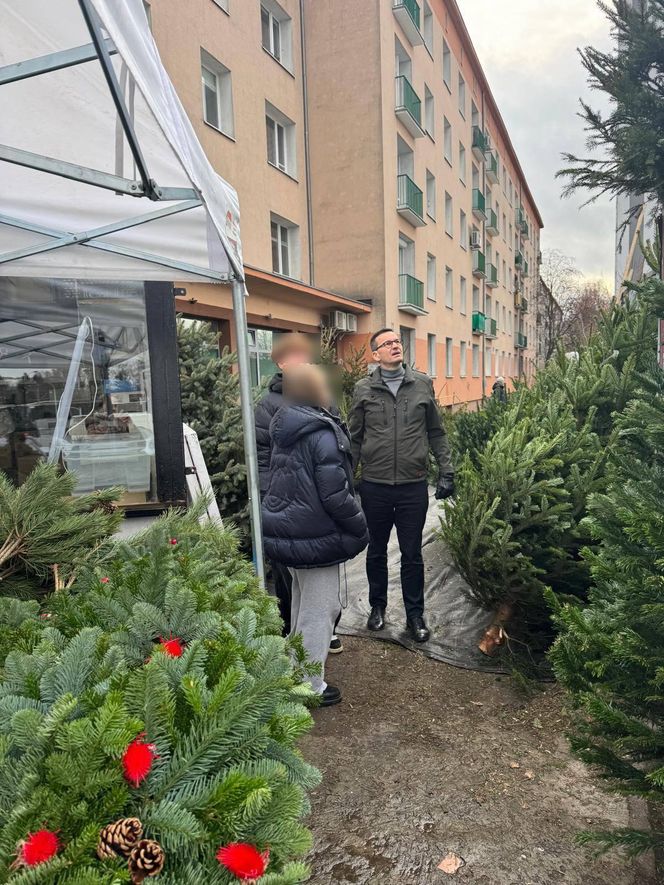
(311,519)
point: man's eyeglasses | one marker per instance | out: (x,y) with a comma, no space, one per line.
(393,343)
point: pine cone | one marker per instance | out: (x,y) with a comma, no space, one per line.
(146,859)
(119,838)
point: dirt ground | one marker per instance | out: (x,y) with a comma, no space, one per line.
(422,759)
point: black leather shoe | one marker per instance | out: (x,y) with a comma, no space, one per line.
(376,618)
(331,696)
(418,629)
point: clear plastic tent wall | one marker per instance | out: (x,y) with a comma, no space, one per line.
(52,225)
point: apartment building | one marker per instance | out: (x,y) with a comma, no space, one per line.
(377,181)
(238,69)
(419,199)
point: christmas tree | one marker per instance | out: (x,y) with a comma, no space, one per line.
(211,406)
(609,654)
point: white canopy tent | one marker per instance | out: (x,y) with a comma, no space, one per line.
(92,129)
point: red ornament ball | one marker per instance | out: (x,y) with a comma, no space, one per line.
(174,541)
(243,860)
(104,580)
(39,847)
(137,761)
(174,648)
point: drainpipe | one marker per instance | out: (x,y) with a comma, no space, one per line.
(307,164)
(483,289)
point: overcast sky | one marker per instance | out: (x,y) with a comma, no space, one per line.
(528,51)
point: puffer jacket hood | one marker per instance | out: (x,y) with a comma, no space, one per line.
(311,518)
(292,423)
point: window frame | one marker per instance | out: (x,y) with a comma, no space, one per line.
(223,93)
(463,359)
(449,357)
(449,288)
(431,263)
(277,18)
(432,367)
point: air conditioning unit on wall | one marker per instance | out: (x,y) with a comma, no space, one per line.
(351,322)
(336,319)
(475,240)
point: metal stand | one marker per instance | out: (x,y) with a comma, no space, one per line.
(249,428)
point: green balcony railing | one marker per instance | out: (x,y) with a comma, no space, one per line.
(521,340)
(518,259)
(479,321)
(525,268)
(409,196)
(479,202)
(479,139)
(492,164)
(479,263)
(524,305)
(491,328)
(525,229)
(411,291)
(492,275)
(411,8)
(408,99)
(520,217)
(492,221)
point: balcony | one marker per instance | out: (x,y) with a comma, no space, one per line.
(518,260)
(479,321)
(492,167)
(491,222)
(479,264)
(492,276)
(519,217)
(524,305)
(479,204)
(407,13)
(525,229)
(491,328)
(410,201)
(411,295)
(525,268)
(408,107)
(520,340)
(479,144)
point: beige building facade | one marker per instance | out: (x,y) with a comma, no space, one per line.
(377,182)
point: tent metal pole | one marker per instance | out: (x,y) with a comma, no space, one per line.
(54,61)
(106,63)
(247,406)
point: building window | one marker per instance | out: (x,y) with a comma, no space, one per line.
(449,287)
(280,140)
(447,66)
(487,361)
(476,361)
(476,298)
(427,26)
(463,295)
(431,355)
(431,277)
(431,195)
(217,94)
(462,97)
(429,112)
(449,215)
(463,229)
(463,359)
(276,32)
(408,343)
(462,163)
(449,357)
(284,247)
(261,367)
(406,255)
(447,133)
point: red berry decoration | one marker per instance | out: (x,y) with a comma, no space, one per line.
(137,760)
(104,580)
(174,541)
(39,847)
(243,860)
(172,647)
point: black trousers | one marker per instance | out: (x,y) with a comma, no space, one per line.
(404,506)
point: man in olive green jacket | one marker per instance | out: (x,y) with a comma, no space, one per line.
(394,422)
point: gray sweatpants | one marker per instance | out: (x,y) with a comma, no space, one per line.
(315,607)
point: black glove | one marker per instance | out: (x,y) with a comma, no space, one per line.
(445,488)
